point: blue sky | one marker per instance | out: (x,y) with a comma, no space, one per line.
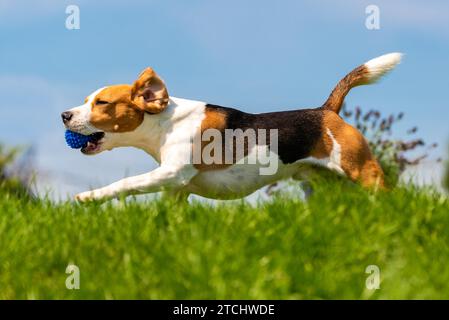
(255,55)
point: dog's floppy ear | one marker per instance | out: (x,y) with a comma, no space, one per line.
(149,93)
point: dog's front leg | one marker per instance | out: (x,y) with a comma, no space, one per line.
(162,178)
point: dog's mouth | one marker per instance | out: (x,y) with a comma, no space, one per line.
(94,144)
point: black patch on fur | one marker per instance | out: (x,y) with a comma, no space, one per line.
(298,130)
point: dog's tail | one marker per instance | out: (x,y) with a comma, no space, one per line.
(367,73)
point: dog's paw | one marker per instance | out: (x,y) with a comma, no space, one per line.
(85,196)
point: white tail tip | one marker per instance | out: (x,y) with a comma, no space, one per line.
(379,66)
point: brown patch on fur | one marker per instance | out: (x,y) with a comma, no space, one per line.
(218,120)
(355,78)
(357,161)
(213,120)
(126,104)
(119,114)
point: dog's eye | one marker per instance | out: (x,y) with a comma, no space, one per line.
(101,102)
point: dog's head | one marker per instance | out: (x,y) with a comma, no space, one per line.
(111,113)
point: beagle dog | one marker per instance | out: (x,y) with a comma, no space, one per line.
(219,152)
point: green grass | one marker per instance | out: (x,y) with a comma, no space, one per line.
(284,249)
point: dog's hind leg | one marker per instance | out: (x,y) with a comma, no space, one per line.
(357,161)
(349,152)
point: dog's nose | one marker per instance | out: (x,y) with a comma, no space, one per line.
(66,116)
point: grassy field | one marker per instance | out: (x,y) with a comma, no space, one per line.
(281,249)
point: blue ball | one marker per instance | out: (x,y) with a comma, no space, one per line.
(75,140)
